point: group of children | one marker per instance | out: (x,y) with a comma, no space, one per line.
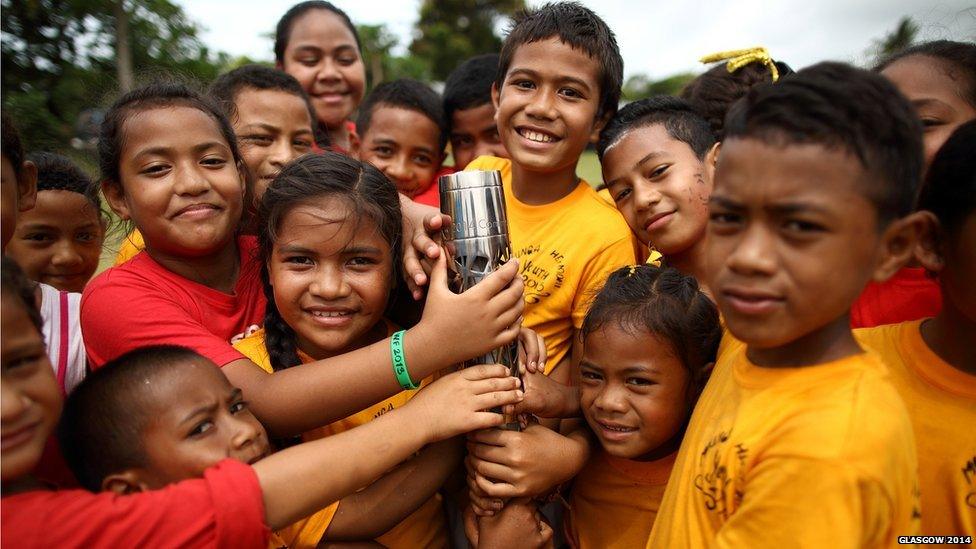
(272,360)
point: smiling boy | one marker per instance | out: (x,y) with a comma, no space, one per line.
(799,438)
(558,83)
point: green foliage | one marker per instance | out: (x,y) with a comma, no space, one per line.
(58,58)
(381,63)
(640,86)
(899,38)
(450,31)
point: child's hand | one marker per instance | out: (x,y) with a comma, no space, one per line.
(532,351)
(510,464)
(547,398)
(462,326)
(519,524)
(422,225)
(455,404)
(480,503)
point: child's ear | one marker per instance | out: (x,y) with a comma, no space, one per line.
(598,126)
(355,143)
(929,250)
(898,245)
(112,191)
(711,160)
(27,186)
(126,482)
(495,98)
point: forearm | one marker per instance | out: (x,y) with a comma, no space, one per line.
(293,483)
(293,401)
(373,511)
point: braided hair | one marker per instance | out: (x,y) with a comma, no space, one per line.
(664,302)
(367,192)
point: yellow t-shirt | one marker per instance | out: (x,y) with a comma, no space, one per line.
(941,402)
(566,250)
(425,527)
(819,456)
(614,501)
(129,247)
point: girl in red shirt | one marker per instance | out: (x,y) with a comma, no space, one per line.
(170,164)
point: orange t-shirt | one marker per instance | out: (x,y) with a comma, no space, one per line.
(941,403)
(615,500)
(815,456)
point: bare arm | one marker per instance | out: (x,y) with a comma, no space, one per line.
(328,469)
(454,327)
(374,510)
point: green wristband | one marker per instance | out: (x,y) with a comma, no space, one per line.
(400,362)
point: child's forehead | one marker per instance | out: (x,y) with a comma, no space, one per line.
(554,57)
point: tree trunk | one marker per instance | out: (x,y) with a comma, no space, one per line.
(123,50)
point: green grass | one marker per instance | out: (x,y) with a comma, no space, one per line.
(588,168)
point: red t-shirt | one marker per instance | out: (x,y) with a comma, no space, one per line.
(223,509)
(432,194)
(909,295)
(141,303)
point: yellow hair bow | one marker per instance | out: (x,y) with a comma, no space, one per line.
(740,58)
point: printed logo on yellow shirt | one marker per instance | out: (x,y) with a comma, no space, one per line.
(542,272)
(969,475)
(720,488)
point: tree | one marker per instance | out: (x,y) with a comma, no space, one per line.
(59,57)
(450,31)
(901,37)
(640,86)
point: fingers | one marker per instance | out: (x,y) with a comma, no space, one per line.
(484,506)
(480,453)
(497,399)
(499,279)
(438,276)
(484,371)
(495,489)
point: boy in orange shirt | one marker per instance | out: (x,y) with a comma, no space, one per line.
(798,437)
(933,361)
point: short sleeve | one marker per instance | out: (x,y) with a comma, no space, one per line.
(618,254)
(117,318)
(223,509)
(824,504)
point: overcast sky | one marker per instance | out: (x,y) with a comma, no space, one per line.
(658,38)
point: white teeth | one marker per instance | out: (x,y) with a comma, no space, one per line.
(329,314)
(536,136)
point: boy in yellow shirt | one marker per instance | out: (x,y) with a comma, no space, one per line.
(558,83)
(933,361)
(799,439)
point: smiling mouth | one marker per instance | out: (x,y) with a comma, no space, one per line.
(197,210)
(657,220)
(536,136)
(751,303)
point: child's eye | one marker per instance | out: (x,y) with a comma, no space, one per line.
(639,381)
(622,194)
(459,142)
(201,428)
(253,139)
(591,376)
(155,169)
(238,407)
(571,93)
(362,261)
(298,260)
(86,237)
(523,84)
(347,60)
(24,365)
(383,151)
(39,237)
(423,159)
(213,161)
(309,61)
(931,122)
(801,226)
(723,218)
(302,144)
(659,171)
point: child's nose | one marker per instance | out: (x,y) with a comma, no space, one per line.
(645,195)
(397,169)
(65,255)
(328,71)
(541,106)
(191,181)
(754,253)
(330,284)
(611,400)
(13,403)
(246,434)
